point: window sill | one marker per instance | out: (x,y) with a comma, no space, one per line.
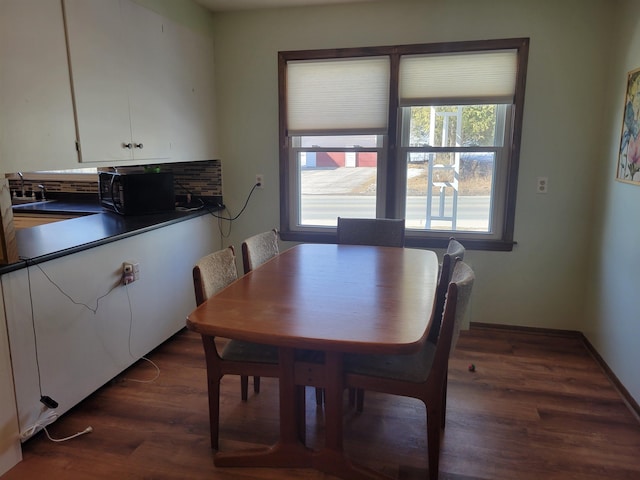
(412,242)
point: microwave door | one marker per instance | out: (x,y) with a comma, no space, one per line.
(116,194)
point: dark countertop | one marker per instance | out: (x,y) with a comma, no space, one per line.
(59,206)
(96,227)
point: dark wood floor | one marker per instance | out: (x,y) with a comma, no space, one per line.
(536,407)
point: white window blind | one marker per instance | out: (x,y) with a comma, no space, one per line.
(338,96)
(458,79)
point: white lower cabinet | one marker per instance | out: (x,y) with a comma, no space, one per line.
(77,348)
(10,453)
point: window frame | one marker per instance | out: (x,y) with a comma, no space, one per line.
(392,167)
(496,208)
(295,186)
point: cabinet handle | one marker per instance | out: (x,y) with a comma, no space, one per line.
(138,145)
(127,145)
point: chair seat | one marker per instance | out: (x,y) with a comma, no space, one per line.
(414,367)
(239,351)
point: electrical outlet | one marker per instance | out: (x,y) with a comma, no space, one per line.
(542,185)
(130,272)
(260,180)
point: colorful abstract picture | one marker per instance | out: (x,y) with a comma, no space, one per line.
(629,154)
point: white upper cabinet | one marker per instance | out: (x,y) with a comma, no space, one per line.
(193,119)
(37,130)
(119,60)
(126,86)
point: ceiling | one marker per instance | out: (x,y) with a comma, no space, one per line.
(227,5)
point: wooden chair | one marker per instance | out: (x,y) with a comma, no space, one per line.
(421,375)
(258,249)
(255,251)
(211,274)
(382,232)
(454,250)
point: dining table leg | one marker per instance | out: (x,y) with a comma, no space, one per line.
(290,450)
(332,459)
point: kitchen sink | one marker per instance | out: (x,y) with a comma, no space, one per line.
(28,200)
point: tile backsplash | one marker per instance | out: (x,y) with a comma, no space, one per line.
(58,186)
(201,179)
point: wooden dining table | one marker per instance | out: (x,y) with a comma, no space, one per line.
(316,303)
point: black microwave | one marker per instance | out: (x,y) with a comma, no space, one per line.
(136,193)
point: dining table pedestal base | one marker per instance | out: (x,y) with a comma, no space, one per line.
(337,464)
(279,455)
(290,451)
(298,456)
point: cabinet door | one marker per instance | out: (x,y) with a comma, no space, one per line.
(193,128)
(37,130)
(116,51)
(97,54)
(148,55)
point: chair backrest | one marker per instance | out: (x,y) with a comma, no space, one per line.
(457,301)
(258,249)
(213,272)
(454,250)
(382,232)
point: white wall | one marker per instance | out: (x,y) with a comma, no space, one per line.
(186,12)
(542,283)
(613,314)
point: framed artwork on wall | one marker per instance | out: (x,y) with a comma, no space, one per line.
(629,154)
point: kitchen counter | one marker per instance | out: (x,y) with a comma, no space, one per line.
(96,227)
(90,326)
(59,206)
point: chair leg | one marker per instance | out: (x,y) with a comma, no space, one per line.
(359,400)
(214,412)
(256,384)
(213,386)
(244,387)
(302,413)
(319,396)
(444,403)
(434,417)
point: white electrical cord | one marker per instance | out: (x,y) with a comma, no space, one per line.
(146,381)
(86,430)
(48,420)
(52,416)
(130,352)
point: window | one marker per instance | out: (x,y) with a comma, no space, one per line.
(429,133)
